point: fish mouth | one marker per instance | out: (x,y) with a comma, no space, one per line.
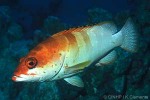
(17,78)
(14,78)
(25,78)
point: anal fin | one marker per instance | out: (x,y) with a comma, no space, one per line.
(108,59)
(75,81)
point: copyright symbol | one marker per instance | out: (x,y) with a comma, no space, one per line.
(105,97)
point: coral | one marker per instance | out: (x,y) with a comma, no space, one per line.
(119,84)
(14,32)
(2,96)
(98,15)
(40,91)
(5,13)
(53,25)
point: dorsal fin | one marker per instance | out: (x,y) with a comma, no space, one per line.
(71,30)
(107,25)
(106,29)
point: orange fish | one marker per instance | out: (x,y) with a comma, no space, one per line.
(67,53)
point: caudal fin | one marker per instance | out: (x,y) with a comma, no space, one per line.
(130,37)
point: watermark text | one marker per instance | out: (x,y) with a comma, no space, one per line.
(128,97)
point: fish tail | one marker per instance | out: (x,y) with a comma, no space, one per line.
(130,37)
(127,37)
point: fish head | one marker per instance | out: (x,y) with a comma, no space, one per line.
(23,71)
(38,66)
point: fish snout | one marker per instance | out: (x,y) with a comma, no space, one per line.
(14,78)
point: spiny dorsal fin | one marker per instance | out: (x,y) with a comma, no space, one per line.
(108,25)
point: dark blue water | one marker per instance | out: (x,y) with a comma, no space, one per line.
(30,14)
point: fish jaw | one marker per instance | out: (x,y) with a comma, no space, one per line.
(22,74)
(18,78)
(25,78)
(40,74)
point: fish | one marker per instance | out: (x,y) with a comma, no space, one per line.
(67,53)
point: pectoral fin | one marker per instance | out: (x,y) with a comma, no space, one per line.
(109,58)
(75,81)
(77,67)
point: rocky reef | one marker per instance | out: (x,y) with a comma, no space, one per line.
(127,76)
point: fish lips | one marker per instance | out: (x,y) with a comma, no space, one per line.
(20,78)
(16,78)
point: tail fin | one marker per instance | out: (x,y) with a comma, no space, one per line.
(130,37)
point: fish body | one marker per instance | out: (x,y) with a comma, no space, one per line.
(69,52)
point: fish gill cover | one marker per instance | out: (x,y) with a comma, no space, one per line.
(25,23)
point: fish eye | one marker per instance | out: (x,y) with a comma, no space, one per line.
(31,62)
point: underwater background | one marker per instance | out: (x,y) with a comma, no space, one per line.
(25,23)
